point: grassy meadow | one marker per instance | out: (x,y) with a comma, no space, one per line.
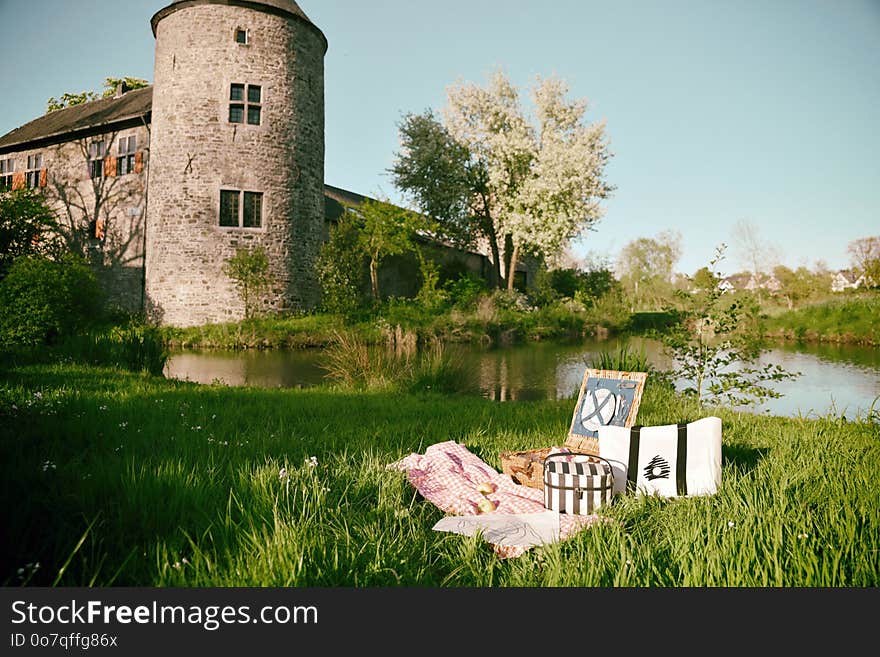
(114,478)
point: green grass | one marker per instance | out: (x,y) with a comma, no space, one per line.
(297,332)
(114,478)
(488,322)
(853,320)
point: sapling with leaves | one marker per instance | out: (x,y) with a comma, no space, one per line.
(249,269)
(716,345)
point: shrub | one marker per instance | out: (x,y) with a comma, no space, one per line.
(624,359)
(249,268)
(464,290)
(134,347)
(27,227)
(45,300)
(340,268)
(353,364)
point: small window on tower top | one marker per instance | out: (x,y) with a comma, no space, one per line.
(241,36)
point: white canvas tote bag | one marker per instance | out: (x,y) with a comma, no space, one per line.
(670,461)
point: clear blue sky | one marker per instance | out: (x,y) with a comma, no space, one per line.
(717,110)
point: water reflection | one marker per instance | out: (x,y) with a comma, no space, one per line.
(843,379)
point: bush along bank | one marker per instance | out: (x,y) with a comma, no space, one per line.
(498,318)
(845,321)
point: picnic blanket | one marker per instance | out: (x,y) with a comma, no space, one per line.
(448,476)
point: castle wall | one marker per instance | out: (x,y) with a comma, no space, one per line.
(114,204)
(196,152)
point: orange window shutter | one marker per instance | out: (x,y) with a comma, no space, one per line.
(139,162)
(99,229)
(44,177)
(18,181)
(109,167)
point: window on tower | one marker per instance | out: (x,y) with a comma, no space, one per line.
(245,106)
(241,209)
(241,36)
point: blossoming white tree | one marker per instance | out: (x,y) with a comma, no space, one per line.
(525,183)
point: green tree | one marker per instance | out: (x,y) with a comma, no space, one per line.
(488,171)
(704,279)
(340,267)
(385,230)
(865,255)
(798,285)
(249,269)
(110,86)
(715,346)
(645,266)
(27,227)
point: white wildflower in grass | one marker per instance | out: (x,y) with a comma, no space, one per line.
(122,425)
(185,561)
(312,461)
(48,465)
(102,408)
(731,523)
(38,395)
(176,565)
(803,536)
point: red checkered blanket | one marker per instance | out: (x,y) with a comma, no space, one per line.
(448,476)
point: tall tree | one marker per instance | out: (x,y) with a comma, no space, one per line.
(385,230)
(752,250)
(487,170)
(865,257)
(645,267)
(110,85)
(27,227)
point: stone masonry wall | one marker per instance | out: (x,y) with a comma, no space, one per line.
(118,201)
(196,152)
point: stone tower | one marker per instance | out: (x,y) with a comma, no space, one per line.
(236,155)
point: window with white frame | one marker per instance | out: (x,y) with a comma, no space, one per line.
(125,158)
(34,165)
(245,103)
(7,168)
(241,209)
(242,36)
(97,151)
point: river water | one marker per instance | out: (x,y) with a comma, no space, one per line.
(844,380)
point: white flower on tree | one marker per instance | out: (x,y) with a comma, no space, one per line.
(525,184)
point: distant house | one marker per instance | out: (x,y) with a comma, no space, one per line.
(750,282)
(846,279)
(736,282)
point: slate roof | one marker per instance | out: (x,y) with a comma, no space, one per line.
(61,125)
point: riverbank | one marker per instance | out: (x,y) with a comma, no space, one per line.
(489,323)
(854,320)
(113,478)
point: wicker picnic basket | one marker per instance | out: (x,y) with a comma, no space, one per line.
(527,467)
